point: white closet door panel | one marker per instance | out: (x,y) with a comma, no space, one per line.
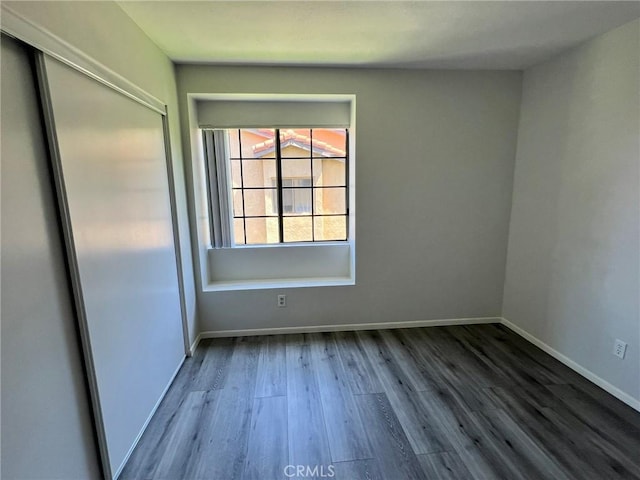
(113,160)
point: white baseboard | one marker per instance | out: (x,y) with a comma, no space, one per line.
(146,423)
(348,327)
(588,374)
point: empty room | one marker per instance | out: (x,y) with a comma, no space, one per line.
(271,240)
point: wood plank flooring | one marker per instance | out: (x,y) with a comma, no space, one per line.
(461,402)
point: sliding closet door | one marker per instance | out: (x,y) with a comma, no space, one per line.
(46,418)
(112,172)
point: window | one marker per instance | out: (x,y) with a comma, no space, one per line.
(277,182)
(270,186)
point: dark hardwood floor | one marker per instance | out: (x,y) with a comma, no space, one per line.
(475,402)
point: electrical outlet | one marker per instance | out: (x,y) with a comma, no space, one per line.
(619,348)
(282,301)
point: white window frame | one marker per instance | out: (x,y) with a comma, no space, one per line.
(268,266)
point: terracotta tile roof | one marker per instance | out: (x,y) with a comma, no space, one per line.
(292,138)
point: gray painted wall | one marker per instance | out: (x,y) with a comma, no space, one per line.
(572,276)
(434,168)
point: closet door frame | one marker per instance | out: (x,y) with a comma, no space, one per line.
(45,43)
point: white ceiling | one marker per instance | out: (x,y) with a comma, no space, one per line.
(410,34)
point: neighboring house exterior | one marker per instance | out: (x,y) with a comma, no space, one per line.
(313,179)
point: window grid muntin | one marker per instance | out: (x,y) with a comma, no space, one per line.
(244,208)
(279,187)
(313,203)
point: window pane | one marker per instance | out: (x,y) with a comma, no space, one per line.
(329,200)
(295,142)
(258,173)
(296,201)
(297,229)
(330,228)
(329,172)
(238,211)
(296,168)
(262,230)
(329,142)
(314,172)
(252,143)
(238,231)
(287,200)
(260,202)
(234,143)
(236,174)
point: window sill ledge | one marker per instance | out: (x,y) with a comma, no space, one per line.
(290,266)
(275,283)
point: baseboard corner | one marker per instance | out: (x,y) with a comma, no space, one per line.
(588,374)
(194,345)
